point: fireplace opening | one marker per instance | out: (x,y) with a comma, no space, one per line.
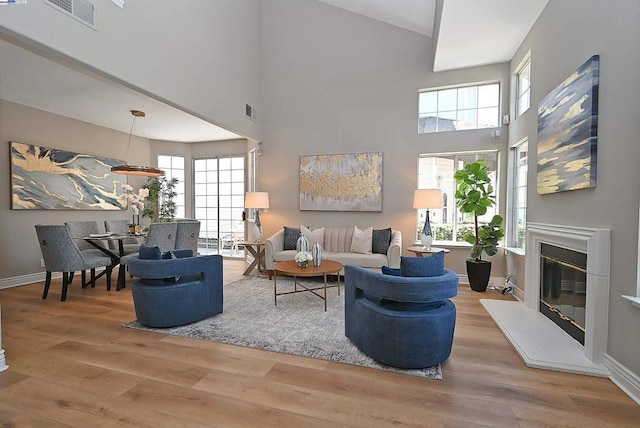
(563,288)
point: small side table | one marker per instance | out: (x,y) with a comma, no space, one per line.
(256,249)
(420,251)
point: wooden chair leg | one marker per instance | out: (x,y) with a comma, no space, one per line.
(65,285)
(84,278)
(47,283)
(109,270)
(71,277)
(93,277)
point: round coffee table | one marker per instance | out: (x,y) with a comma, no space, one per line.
(421,251)
(291,268)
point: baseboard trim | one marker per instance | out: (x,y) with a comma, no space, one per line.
(26,279)
(624,378)
(494,281)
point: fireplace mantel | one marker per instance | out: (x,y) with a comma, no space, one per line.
(538,340)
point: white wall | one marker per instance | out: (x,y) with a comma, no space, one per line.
(337,82)
(201,56)
(567,34)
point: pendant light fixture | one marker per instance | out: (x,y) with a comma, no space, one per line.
(146,171)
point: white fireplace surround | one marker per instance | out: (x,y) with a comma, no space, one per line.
(539,341)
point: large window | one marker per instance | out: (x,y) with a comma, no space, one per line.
(453,109)
(173,167)
(518,207)
(523,88)
(437,171)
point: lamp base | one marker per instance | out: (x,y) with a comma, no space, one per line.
(426,240)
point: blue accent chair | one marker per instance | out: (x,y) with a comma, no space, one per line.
(405,322)
(173,292)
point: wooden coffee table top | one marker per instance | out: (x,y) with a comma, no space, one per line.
(290,267)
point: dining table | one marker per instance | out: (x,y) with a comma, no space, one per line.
(97,240)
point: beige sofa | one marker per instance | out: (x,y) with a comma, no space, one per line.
(337,247)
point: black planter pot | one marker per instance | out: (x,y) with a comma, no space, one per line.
(478,272)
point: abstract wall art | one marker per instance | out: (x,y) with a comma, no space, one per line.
(45,178)
(568,132)
(341,182)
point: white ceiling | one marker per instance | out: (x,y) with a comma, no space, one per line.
(471,33)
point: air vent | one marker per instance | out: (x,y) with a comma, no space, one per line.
(251,112)
(81,10)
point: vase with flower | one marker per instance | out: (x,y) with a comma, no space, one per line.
(303,258)
(136,204)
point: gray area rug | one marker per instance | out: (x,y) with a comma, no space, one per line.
(298,325)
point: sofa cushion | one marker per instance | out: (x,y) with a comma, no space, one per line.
(291,235)
(380,240)
(361,242)
(423,266)
(149,253)
(391,271)
(364,260)
(313,236)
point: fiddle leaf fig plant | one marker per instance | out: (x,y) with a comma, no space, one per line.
(475,194)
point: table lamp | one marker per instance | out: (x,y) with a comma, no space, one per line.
(258,201)
(427,199)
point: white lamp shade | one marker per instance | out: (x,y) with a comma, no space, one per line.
(256,200)
(427,199)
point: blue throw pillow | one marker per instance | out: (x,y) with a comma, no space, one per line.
(291,235)
(149,253)
(423,266)
(380,240)
(391,271)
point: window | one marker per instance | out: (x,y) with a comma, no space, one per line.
(523,88)
(173,167)
(517,220)
(437,171)
(454,109)
(219,185)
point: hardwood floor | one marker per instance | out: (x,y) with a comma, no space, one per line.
(72,364)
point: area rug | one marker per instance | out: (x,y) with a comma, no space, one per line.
(298,325)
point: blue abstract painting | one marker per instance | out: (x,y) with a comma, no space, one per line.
(568,132)
(45,178)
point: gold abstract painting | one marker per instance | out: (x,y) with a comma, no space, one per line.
(46,178)
(341,182)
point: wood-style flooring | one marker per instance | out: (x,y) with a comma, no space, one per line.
(71,364)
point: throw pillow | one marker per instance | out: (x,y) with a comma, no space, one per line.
(380,240)
(291,235)
(423,266)
(315,235)
(361,242)
(391,271)
(149,253)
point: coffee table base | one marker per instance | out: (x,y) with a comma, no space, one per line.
(290,269)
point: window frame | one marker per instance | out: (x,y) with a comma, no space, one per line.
(514,189)
(180,189)
(440,113)
(520,92)
(449,194)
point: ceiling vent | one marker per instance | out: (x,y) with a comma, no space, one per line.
(81,10)
(251,112)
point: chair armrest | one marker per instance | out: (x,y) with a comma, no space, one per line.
(158,269)
(272,245)
(395,250)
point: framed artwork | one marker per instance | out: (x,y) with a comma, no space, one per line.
(45,178)
(341,182)
(568,132)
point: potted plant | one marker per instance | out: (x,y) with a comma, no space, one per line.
(160,205)
(475,195)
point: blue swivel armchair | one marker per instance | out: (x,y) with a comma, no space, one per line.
(176,291)
(405,322)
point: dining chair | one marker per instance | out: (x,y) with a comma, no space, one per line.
(187,234)
(78,231)
(61,254)
(121,227)
(162,235)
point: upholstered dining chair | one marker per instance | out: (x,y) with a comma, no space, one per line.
(79,230)
(187,235)
(162,235)
(120,227)
(61,254)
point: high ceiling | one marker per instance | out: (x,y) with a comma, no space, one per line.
(471,33)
